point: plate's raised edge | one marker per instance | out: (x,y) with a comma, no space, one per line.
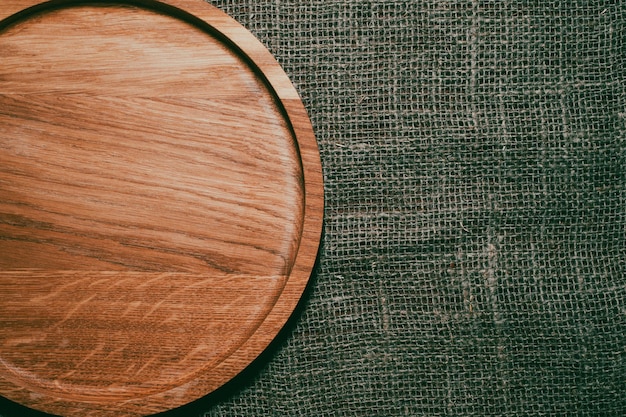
(233,31)
(264,64)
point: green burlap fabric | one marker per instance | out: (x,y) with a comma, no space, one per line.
(474,257)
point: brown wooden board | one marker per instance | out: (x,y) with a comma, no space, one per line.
(161,203)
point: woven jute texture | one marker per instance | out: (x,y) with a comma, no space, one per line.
(474,251)
(474,257)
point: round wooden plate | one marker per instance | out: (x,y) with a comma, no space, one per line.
(161,203)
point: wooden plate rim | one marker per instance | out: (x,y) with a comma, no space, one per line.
(263,63)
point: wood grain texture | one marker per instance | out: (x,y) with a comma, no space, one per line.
(161,203)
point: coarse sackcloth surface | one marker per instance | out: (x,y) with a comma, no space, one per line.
(474,257)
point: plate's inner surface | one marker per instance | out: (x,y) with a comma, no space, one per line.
(145,172)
